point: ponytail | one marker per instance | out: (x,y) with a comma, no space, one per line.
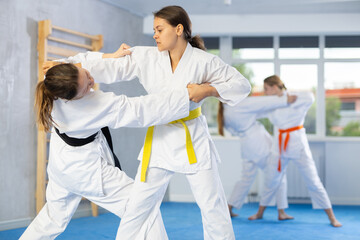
(220,119)
(61,81)
(197,42)
(43,106)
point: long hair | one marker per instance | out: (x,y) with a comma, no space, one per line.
(275,80)
(61,81)
(175,15)
(220,119)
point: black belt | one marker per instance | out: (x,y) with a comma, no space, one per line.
(78,142)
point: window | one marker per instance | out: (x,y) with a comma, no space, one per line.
(303,62)
(342,91)
(299,48)
(253,48)
(342,47)
(347,106)
(212,45)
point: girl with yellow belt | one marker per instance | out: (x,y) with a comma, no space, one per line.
(182,146)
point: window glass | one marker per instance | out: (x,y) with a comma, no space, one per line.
(212,45)
(299,47)
(251,53)
(333,53)
(342,47)
(299,53)
(253,48)
(342,91)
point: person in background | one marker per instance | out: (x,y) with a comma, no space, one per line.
(293,146)
(256,146)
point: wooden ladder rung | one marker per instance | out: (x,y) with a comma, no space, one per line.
(55,39)
(52,58)
(92,37)
(61,51)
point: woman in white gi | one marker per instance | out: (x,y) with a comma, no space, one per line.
(184,146)
(256,146)
(293,146)
(65,100)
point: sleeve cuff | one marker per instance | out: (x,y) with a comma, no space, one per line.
(220,89)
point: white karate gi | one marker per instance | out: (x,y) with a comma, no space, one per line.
(256,144)
(168,154)
(88,171)
(298,151)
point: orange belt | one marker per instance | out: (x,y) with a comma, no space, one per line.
(287,131)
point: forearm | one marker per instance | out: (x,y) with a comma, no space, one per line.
(210,91)
(108,55)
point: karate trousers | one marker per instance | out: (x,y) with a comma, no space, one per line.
(207,189)
(61,205)
(248,175)
(307,169)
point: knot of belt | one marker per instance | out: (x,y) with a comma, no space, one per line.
(287,131)
(189,146)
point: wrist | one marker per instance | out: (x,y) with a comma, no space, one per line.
(108,55)
(212,92)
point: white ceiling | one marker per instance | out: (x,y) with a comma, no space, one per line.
(147,7)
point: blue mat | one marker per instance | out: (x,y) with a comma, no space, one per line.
(183,221)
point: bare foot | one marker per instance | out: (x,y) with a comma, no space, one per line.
(335,223)
(232,214)
(259,214)
(284,216)
(255,217)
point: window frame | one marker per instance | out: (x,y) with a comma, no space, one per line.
(226,49)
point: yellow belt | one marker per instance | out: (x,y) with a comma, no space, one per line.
(189,146)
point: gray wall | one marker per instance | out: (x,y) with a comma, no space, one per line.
(18,77)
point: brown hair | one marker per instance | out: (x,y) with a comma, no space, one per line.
(61,81)
(275,80)
(220,119)
(175,15)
